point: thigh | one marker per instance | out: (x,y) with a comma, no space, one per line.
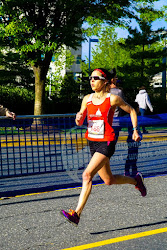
(105,172)
(101,153)
(97,161)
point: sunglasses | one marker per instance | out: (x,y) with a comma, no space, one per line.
(96,78)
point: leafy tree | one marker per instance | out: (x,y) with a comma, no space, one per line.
(14,70)
(18,99)
(69,93)
(137,58)
(109,53)
(37,28)
(146,54)
(164,12)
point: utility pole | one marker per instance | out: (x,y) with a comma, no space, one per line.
(164,72)
(95,41)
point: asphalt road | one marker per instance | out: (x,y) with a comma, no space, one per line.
(112,216)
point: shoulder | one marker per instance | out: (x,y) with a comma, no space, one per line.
(113,96)
(86,97)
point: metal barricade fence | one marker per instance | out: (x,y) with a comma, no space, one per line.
(53,143)
(41,144)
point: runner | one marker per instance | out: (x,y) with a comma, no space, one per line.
(99,108)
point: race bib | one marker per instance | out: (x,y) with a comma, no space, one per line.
(96,129)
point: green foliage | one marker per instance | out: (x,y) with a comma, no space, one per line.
(146,54)
(108,53)
(17,99)
(13,69)
(69,93)
(67,100)
(156,99)
(137,59)
(164,9)
(36,29)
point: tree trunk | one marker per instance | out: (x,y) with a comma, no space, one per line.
(40,72)
(39,91)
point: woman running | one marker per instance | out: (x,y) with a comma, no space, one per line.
(99,108)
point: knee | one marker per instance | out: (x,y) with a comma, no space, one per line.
(86,176)
(110,181)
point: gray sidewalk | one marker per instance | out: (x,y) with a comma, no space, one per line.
(34,222)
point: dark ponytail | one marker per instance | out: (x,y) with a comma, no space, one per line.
(113,73)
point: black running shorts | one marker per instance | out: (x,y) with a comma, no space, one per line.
(106,148)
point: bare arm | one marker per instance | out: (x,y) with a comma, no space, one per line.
(11,114)
(118,101)
(80,116)
(6,112)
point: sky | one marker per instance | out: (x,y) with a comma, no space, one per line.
(122,33)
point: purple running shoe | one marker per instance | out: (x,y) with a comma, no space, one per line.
(71,217)
(140,184)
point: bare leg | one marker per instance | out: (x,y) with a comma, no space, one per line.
(120,179)
(97,162)
(109,179)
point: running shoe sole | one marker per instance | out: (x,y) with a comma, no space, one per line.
(74,224)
